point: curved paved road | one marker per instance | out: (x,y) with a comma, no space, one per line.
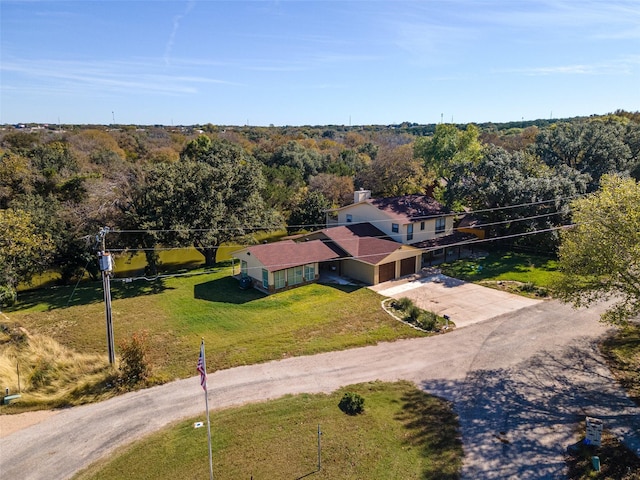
(521,384)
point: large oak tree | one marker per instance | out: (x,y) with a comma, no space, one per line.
(210,197)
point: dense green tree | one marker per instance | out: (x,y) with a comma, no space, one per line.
(198,148)
(594,147)
(502,179)
(600,254)
(204,202)
(282,185)
(293,154)
(309,213)
(23,251)
(15,177)
(449,147)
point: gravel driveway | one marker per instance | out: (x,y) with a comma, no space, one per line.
(521,384)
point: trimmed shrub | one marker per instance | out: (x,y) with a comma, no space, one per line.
(351,403)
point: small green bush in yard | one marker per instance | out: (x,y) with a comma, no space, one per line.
(403,303)
(427,321)
(134,363)
(412,314)
(352,403)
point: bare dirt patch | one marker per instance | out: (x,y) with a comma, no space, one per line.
(12,423)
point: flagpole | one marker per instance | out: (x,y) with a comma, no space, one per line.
(203,377)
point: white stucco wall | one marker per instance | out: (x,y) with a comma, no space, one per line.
(365,212)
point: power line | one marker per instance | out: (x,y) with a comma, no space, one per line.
(463,243)
(384,235)
(415,219)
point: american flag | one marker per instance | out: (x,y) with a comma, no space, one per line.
(201,367)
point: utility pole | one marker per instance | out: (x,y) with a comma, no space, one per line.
(106,267)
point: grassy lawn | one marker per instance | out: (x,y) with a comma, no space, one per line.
(525,269)
(622,351)
(403,433)
(170,260)
(239,326)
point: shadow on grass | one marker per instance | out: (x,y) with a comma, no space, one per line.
(433,427)
(621,349)
(342,288)
(225,290)
(307,475)
(518,422)
(85,294)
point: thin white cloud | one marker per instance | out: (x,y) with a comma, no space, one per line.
(622,66)
(553,13)
(104,77)
(174,31)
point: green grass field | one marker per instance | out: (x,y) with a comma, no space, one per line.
(403,433)
(506,266)
(239,326)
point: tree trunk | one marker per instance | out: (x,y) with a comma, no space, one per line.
(209,254)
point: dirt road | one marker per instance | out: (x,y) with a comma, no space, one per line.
(521,383)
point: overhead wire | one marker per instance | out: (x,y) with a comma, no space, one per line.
(417,218)
(364,257)
(383,235)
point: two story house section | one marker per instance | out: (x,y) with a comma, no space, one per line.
(410,219)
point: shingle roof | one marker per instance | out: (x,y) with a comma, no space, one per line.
(287,253)
(410,207)
(362,241)
(453,239)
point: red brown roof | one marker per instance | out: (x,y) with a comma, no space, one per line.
(362,241)
(287,253)
(410,207)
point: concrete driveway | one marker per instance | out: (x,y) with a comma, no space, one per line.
(464,303)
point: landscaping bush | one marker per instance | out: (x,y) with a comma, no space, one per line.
(404,303)
(427,321)
(351,403)
(527,287)
(134,366)
(412,314)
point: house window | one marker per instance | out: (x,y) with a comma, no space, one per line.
(440,224)
(279,279)
(244,270)
(410,232)
(309,272)
(395,228)
(265,278)
(421,225)
(349,218)
(294,275)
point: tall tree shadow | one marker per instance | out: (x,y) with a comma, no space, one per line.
(432,426)
(517,422)
(86,293)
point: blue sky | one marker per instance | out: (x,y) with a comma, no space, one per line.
(316,62)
